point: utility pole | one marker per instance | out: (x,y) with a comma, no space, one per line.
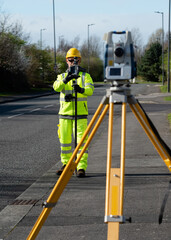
(43,29)
(41,48)
(55,65)
(88,47)
(168,70)
(162,45)
(61,36)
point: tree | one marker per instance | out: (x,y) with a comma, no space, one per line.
(61,63)
(96,64)
(137,42)
(96,68)
(64,45)
(94,47)
(155,37)
(150,67)
(40,71)
(13,63)
(24,65)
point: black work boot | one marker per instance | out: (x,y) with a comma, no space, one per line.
(59,172)
(81,173)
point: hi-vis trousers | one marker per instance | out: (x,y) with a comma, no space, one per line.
(65,131)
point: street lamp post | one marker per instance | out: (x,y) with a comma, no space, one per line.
(88,47)
(43,29)
(55,65)
(41,47)
(168,75)
(162,45)
(61,36)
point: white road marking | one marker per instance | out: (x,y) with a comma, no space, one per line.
(48,106)
(17,115)
(34,110)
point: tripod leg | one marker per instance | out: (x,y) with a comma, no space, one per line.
(112,186)
(66,174)
(109,158)
(123,139)
(115,180)
(136,109)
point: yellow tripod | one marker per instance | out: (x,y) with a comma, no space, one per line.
(114,176)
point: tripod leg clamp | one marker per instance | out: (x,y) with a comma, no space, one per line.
(114,218)
(48,205)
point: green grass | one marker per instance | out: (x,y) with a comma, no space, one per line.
(169,118)
(142,81)
(6,94)
(164,90)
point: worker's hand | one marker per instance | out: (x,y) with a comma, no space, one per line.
(78,89)
(69,77)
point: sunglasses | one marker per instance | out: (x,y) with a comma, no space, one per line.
(71,60)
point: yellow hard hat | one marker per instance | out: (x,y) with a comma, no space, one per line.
(73,52)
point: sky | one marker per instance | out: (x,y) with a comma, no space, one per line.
(73,17)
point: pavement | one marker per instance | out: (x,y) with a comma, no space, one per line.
(79,213)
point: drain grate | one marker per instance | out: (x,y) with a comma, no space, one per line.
(24,202)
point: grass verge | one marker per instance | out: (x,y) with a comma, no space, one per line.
(164,90)
(169,118)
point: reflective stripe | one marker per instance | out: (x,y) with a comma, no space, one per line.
(78,99)
(65,144)
(72,117)
(69,151)
(89,84)
(83,79)
(92,87)
(66,151)
(68,92)
(63,76)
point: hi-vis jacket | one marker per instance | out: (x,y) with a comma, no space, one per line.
(67,109)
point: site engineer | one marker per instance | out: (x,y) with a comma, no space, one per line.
(83,87)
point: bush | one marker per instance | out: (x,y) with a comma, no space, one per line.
(150,66)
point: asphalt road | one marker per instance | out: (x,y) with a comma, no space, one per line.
(28,141)
(29,148)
